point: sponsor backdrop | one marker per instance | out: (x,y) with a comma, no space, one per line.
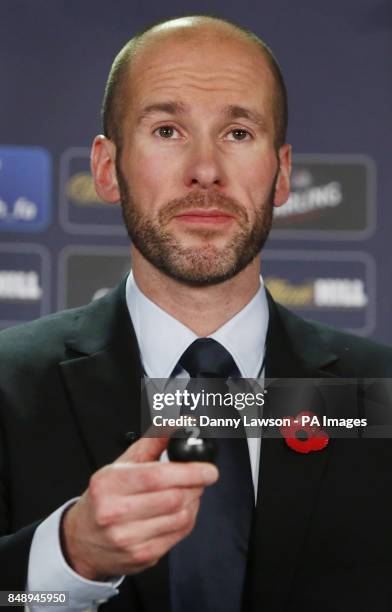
(329,252)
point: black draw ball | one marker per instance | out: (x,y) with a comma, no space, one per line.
(186,446)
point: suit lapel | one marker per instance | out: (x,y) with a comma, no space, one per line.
(102,376)
(105,404)
(288,481)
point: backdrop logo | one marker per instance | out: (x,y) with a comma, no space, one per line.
(319,293)
(307,198)
(332,196)
(81,210)
(20,285)
(81,190)
(24,283)
(25,188)
(335,288)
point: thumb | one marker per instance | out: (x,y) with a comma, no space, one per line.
(145,449)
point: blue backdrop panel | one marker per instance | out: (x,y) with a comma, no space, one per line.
(328,256)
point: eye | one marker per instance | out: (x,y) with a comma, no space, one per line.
(167,131)
(239,134)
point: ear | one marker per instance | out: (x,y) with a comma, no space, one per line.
(103,169)
(282,188)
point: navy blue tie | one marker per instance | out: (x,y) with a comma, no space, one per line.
(207,569)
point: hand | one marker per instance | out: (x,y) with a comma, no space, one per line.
(133,512)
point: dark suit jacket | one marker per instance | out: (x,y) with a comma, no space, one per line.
(70,390)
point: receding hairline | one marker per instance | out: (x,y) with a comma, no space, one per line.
(204,31)
(185,28)
(192,27)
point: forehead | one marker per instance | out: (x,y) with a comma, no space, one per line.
(212,67)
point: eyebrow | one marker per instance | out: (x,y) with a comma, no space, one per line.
(230,111)
(170,108)
(233,111)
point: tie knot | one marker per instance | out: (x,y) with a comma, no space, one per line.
(207,358)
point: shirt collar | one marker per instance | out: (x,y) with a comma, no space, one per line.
(162,339)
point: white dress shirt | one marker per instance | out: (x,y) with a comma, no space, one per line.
(162,340)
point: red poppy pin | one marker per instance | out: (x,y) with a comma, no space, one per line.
(304,433)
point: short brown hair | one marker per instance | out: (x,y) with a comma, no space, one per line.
(113,101)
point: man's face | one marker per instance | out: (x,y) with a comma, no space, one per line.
(198,167)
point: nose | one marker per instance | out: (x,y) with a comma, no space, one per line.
(204,167)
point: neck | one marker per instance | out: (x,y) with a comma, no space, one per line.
(201,309)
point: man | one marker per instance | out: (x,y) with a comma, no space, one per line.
(194,147)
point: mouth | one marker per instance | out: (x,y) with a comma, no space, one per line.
(212,216)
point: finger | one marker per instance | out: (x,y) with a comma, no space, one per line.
(120,508)
(144,477)
(149,552)
(131,534)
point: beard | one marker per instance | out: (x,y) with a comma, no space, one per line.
(206,264)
